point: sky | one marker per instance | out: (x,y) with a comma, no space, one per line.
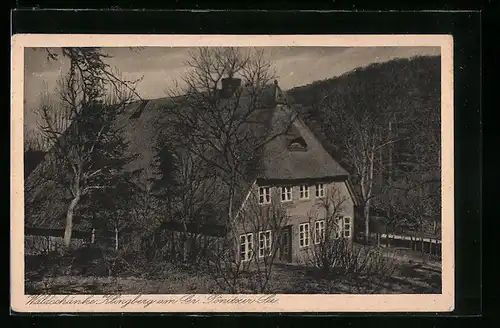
(159,67)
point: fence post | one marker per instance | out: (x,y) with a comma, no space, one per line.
(116,238)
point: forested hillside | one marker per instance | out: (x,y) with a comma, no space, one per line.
(383,123)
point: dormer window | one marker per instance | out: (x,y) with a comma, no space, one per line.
(297,144)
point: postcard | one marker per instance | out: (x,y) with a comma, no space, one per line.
(232,173)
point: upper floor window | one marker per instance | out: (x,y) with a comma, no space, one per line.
(304,192)
(264,195)
(347,227)
(304,239)
(246,246)
(319,231)
(286,193)
(264,243)
(320,190)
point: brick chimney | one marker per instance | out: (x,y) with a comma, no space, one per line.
(229,86)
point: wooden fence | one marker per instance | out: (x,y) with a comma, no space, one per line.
(42,241)
(427,244)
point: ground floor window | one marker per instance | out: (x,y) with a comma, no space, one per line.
(264,243)
(304,235)
(319,231)
(246,246)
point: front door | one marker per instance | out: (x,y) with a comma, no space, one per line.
(285,253)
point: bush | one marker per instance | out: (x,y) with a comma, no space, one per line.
(342,259)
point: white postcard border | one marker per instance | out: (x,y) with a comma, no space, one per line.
(230,303)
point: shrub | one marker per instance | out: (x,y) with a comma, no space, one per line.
(341,259)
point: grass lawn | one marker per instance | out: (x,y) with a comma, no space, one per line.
(414,275)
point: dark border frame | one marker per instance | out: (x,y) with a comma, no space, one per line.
(464,26)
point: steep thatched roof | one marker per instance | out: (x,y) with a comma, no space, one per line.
(142,122)
(298,154)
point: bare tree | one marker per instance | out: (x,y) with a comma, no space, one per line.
(86,149)
(414,195)
(194,197)
(364,268)
(138,247)
(218,117)
(238,269)
(364,135)
(251,268)
(222,131)
(328,237)
(424,176)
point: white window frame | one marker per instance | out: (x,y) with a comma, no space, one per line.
(287,192)
(304,235)
(320,190)
(248,242)
(304,192)
(347,227)
(264,195)
(319,231)
(265,243)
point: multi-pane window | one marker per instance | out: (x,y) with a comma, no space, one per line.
(304,192)
(286,193)
(246,246)
(347,227)
(319,231)
(320,190)
(304,235)
(264,243)
(264,195)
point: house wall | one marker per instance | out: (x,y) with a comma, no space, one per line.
(299,211)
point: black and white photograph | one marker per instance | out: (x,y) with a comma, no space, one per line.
(223,170)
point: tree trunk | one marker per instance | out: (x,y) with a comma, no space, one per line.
(172,245)
(369,194)
(184,242)
(116,238)
(422,238)
(366,213)
(68,229)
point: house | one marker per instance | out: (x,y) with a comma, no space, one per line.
(299,177)
(293,174)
